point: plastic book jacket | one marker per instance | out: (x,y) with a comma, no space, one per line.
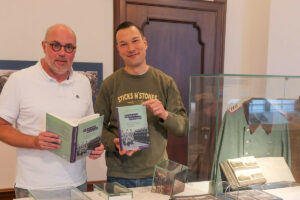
(133,127)
(78,139)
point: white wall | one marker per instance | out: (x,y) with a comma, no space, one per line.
(262,37)
(22,28)
(284,38)
(246,41)
(23,25)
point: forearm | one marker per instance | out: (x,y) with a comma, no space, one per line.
(13,137)
(176,124)
(108,140)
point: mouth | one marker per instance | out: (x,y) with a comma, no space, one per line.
(61,62)
(132,55)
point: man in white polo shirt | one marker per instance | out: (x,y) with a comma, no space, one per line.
(49,86)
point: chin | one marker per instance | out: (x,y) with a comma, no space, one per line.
(61,72)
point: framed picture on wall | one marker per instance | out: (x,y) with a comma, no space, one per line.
(94,71)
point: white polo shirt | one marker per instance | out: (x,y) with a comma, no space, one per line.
(26,97)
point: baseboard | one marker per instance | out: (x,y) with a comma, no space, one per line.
(9,193)
(90,184)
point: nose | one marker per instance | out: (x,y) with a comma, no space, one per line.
(62,52)
(130,47)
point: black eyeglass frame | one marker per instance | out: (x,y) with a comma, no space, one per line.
(68,48)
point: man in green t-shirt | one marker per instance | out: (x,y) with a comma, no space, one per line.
(138,83)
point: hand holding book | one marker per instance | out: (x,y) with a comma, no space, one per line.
(96,153)
(124,151)
(47,141)
(156,107)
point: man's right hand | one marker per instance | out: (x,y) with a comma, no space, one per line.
(47,141)
(124,151)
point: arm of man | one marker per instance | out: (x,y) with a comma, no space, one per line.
(102,106)
(13,137)
(172,115)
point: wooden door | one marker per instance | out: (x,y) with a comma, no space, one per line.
(184,37)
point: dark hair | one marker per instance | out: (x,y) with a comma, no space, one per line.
(128,24)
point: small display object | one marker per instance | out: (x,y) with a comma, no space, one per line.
(70,193)
(196,197)
(113,191)
(133,127)
(79,139)
(248,195)
(169,177)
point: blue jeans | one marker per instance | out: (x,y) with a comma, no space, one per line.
(131,183)
(22,193)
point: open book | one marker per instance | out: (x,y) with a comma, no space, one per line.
(133,127)
(77,139)
(242,172)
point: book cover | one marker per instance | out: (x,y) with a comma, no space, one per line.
(77,139)
(133,127)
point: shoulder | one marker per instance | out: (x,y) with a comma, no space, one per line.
(81,78)
(158,73)
(113,77)
(161,77)
(23,74)
(232,108)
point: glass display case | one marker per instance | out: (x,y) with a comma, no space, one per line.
(113,191)
(70,193)
(241,116)
(169,177)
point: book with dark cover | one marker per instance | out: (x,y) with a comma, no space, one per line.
(77,139)
(133,127)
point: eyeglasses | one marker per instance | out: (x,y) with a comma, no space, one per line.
(56,46)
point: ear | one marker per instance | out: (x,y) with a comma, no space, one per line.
(145,42)
(117,47)
(44,45)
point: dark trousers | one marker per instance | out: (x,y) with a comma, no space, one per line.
(131,183)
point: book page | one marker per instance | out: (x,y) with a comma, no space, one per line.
(247,170)
(275,169)
(88,118)
(63,119)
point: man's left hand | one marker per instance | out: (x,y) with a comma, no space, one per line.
(156,107)
(97,152)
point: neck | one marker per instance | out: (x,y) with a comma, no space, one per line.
(58,77)
(136,70)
